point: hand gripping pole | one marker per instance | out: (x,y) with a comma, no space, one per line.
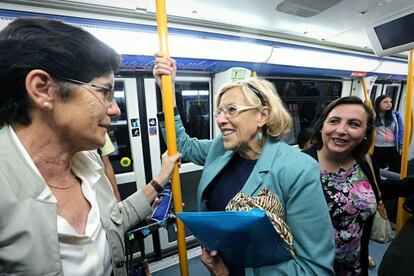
(168,106)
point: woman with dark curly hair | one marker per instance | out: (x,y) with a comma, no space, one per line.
(343,135)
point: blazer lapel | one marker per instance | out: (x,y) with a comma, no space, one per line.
(263,166)
(213,169)
(27,183)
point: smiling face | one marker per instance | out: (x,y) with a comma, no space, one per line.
(82,120)
(344,129)
(386,104)
(240,133)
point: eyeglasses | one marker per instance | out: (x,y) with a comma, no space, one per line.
(107,92)
(232,110)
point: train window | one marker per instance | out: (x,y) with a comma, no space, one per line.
(119,134)
(193,105)
(305,100)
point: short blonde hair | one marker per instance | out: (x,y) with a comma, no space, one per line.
(280,121)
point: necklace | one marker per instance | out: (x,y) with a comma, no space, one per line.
(74,182)
(345,165)
(331,163)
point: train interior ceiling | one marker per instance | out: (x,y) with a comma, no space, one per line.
(314,51)
(323,38)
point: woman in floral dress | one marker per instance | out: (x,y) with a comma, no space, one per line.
(343,135)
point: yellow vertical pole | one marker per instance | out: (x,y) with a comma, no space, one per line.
(367,98)
(369,104)
(168,107)
(402,215)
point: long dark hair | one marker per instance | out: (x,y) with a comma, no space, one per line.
(365,144)
(387,114)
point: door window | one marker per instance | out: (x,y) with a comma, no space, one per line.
(121,158)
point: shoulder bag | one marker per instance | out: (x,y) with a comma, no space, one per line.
(381,229)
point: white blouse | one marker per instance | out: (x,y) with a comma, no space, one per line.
(87,254)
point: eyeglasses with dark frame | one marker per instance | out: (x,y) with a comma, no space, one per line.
(232,110)
(107,92)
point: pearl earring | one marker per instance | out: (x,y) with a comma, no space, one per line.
(47,105)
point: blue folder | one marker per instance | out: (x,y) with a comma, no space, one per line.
(243,239)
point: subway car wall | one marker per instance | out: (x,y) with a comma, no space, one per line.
(304,89)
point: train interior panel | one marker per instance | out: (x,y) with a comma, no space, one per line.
(312,58)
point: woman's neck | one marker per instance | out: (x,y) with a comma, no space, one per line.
(333,161)
(50,157)
(252,151)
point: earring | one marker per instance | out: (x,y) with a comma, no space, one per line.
(260,136)
(47,105)
(365,138)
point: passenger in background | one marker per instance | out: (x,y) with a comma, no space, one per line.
(389,135)
(58,213)
(248,157)
(343,135)
(305,138)
(388,143)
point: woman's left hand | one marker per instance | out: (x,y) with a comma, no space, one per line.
(164,66)
(167,167)
(214,263)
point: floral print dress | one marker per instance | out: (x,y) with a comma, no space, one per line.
(351,201)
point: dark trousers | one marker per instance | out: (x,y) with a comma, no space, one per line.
(398,259)
(387,157)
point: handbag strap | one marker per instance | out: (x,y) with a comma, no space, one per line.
(369,161)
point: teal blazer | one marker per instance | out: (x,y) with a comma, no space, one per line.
(294,177)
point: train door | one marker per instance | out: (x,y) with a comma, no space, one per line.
(125,134)
(376,91)
(394,90)
(193,96)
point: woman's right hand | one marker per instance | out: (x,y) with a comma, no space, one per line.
(214,263)
(162,67)
(167,167)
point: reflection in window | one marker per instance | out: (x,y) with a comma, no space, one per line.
(305,100)
(193,104)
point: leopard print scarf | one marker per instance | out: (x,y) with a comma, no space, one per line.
(270,203)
